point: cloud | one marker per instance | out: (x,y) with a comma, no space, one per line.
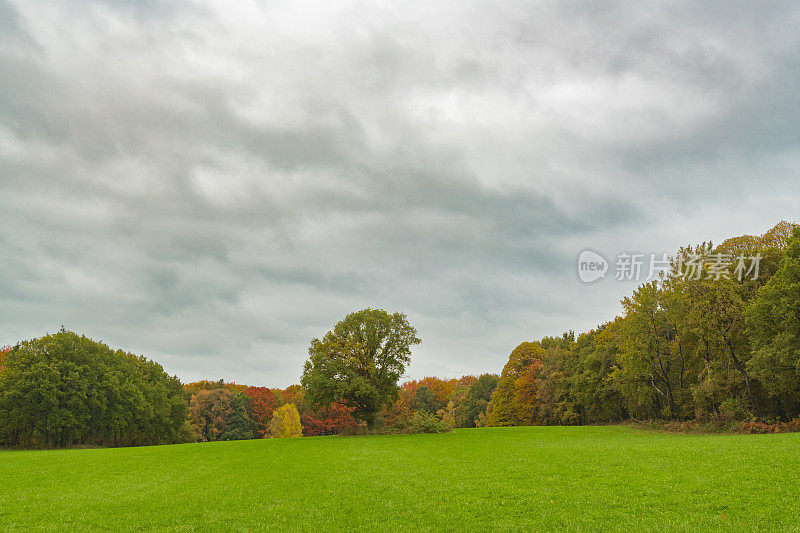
(214,184)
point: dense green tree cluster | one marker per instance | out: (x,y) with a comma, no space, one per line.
(65,389)
(773,320)
(469,401)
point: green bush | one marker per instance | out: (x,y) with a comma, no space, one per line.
(423,422)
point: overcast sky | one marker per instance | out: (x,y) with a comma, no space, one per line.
(212,184)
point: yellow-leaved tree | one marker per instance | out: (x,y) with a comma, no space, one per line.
(286,422)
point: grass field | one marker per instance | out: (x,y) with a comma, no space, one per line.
(581,478)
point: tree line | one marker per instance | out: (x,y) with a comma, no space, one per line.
(689,346)
(699,347)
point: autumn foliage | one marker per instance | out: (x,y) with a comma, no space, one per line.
(336,419)
(690,350)
(263,402)
(219,414)
(3,351)
(195,386)
(286,422)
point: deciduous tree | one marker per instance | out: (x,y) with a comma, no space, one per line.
(286,422)
(506,399)
(359,362)
(262,404)
(219,414)
(773,320)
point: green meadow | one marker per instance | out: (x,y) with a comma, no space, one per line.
(523,478)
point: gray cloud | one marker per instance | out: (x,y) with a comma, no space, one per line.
(214,184)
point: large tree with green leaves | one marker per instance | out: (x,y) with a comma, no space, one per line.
(359,362)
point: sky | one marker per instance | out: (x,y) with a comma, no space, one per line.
(213,184)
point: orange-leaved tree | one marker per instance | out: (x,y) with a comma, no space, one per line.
(263,404)
(336,419)
(514,398)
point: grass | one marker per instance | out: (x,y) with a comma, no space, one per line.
(581,478)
